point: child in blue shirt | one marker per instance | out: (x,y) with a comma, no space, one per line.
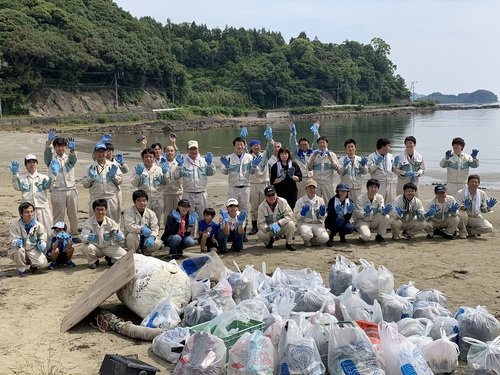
(207,230)
(60,250)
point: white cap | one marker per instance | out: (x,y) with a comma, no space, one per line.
(30,157)
(192,144)
(232,201)
(60,225)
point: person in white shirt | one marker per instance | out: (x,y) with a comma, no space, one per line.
(351,169)
(380,165)
(231,226)
(408,214)
(408,166)
(445,221)
(324,163)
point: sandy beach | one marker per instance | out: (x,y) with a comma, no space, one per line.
(467,271)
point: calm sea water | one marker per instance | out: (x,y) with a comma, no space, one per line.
(434,132)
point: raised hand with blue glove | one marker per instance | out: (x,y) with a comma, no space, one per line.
(268,133)
(177,216)
(55,167)
(41,246)
(317,152)
(468,202)
(346,161)
(140,139)
(14,167)
(474,153)
(291,172)
(244,132)
(256,161)
(305,209)
(71,144)
(92,173)
(139,169)
(105,138)
(387,209)
(224,215)
(209,158)
(411,174)
(315,128)
(448,154)
(282,174)
(145,231)
(339,208)
(52,134)
(46,183)
(379,159)
(454,207)
(368,210)
(491,202)
(192,219)
(118,236)
(242,217)
(112,170)
(150,241)
(275,228)
(163,157)
(399,211)
(322,210)
(293,129)
(225,161)
(431,211)
(350,207)
(179,159)
(363,161)
(119,159)
(396,160)
(164,167)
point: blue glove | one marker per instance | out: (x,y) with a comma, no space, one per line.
(139,168)
(119,159)
(224,214)
(91,236)
(368,209)
(242,217)
(19,243)
(491,202)
(61,236)
(145,231)
(291,172)
(119,236)
(338,209)
(363,161)
(304,210)
(387,209)
(92,173)
(315,129)
(396,160)
(113,170)
(140,139)
(322,210)
(209,158)
(350,208)
(467,203)
(256,161)
(432,211)
(293,129)
(275,227)
(52,134)
(45,183)
(71,144)
(268,133)
(105,138)
(346,161)
(474,153)
(55,167)
(177,216)
(317,152)
(244,132)
(225,162)
(14,167)
(411,174)
(448,154)
(179,159)
(192,219)
(454,207)
(282,174)
(164,167)
(163,158)
(149,242)
(41,246)
(399,211)
(379,159)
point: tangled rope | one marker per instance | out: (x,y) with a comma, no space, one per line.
(107,321)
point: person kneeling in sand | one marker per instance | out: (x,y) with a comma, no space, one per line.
(101,235)
(310,212)
(141,226)
(275,219)
(28,238)
(445,221)
(473,202)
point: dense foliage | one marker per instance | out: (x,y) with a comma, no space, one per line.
(88,44)
(478,96)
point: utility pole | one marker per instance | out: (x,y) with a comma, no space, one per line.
(412,88)
(116,92)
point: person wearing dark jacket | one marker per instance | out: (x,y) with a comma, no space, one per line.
(178,229)
(339,211)
(285,174)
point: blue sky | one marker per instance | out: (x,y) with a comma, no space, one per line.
(450,46)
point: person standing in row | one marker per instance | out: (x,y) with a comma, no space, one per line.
(110,149)
(64,195)
(408,166)
(172,193)
(324,163)
(284,176)
(380,164)
(351,169)
(457,165)
(301,152)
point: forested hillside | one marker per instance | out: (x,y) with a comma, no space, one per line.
(92,44)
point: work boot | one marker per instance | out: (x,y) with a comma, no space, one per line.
(254,228)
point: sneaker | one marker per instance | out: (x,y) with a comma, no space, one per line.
(342,239)
(307,243)
(329,242)
(22,273)
(76,240)
(448,236)
(94,265)
(430,236)
(108,260)
(33,268)
(408,237)
(52,266)
(245,239)
(70,263)
(380,239)
(253,231)
(462,236)
(290,247)
(270,244)
(438,232)
(395,238)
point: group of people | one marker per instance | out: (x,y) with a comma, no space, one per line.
(277,190)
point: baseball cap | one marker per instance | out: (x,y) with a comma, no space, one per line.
(29,157)
(269,190)
(254,142)
(192,144)
(232,201)
(342,187)
(99,146)
(59,225)
(311,183)
(184,202)
(440,189)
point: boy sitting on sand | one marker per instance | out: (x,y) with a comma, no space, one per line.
(60,250)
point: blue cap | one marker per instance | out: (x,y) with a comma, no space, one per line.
(100,146)
(342,187)
(254,142)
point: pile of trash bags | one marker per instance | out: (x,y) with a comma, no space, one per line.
(247,322)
